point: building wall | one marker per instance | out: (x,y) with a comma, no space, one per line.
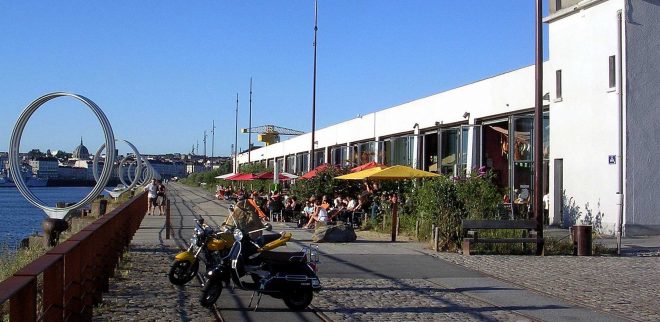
(642,25)
(499,94)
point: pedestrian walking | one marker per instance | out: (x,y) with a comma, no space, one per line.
(152,196)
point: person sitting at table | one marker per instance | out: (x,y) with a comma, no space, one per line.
(319,215)
(288,209)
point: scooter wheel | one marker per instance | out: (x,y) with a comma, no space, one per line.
(298,300)
(211,292)
(181,272)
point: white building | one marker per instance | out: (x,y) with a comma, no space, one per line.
(597,67)
(46,168)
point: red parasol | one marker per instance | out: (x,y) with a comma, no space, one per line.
(242,177)
(313,172)
(270,176)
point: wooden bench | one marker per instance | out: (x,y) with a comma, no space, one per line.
(471,235)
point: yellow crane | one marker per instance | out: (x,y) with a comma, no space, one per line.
(270,134)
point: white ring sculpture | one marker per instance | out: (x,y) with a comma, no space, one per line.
(95,163)
(15,144)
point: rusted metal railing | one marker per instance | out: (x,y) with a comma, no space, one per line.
(76,272)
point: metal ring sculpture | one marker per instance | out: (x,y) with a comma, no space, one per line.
(97,156)
(149,174)
(15,143)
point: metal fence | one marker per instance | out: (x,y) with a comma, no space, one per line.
(69,279)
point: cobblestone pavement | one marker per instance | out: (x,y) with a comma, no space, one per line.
(626,286)
(347,299)
(141,291)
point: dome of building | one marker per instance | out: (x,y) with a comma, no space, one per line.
(80,152)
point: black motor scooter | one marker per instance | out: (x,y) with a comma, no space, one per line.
(290,276)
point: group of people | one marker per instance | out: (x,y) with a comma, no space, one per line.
(341,208)
(156,196)
(280,207)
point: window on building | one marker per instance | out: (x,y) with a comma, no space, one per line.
(612,71)
(558,4)
(558,84)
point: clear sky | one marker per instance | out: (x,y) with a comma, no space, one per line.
(162,71)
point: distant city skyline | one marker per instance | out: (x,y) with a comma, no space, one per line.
(164,73)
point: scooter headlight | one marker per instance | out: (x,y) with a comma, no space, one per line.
(238,235)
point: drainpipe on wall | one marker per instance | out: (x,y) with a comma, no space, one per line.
(619,228)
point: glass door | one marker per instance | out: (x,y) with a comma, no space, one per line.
(521,164)
(449,141)
(469,156)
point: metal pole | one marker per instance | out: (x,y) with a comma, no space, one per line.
(250,124)
(395,200)
(619,192)
(213,139)
(204,143)
(538,130)
(168,223)
(312,163)
(236,139)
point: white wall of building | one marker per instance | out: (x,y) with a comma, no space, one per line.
(584,121)
(499,94)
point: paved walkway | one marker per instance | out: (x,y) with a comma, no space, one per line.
(375,280)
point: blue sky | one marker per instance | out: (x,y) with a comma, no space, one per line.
(163,70)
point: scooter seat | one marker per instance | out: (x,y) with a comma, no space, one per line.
(283,257)
(265,239)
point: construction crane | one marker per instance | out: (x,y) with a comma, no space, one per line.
(270,134)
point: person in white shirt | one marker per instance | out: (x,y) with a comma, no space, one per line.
(152,196)
(320,214)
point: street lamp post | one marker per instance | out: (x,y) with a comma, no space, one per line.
(311,152)
(538,129)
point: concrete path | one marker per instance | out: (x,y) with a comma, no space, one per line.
(375,280)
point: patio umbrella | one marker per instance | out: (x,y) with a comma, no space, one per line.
(312,173)
(401,172)
(225,176)
(242,177)
(271,175)
(360,175)
(368,166)
(289,176)
(396,172)
(390,173)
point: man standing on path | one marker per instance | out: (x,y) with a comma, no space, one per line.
(152,188)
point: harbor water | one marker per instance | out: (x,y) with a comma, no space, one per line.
(21,219)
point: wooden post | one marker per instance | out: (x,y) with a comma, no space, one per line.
(436,234)
(167,220)
(394,199)
(417,230)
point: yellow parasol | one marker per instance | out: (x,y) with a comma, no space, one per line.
(360,175)
(396,172)
(391,173)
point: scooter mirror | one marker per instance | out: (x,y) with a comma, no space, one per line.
(269,227)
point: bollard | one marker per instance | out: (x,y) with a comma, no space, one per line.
(52,229)
(436,234)
(417,229)
(397,227)
(432,231)
(395,220)
(582,240)
(167,219)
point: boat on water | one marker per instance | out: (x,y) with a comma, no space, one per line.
(29,181)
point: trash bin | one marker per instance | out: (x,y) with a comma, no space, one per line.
(582,240)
